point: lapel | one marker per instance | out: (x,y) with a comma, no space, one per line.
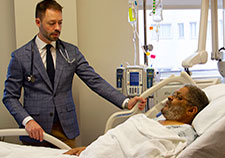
(59,68)
(38,64)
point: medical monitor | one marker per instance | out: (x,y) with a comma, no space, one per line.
(134,80)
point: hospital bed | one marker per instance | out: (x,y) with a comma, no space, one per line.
(9,150)
(47,137)
(209,123)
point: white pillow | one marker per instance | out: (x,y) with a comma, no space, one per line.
(212,112)
(214,91)
(209,145)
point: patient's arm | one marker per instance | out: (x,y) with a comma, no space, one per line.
(75,151)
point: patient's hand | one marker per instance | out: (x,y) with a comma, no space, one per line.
(75,151)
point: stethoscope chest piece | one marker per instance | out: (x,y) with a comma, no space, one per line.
(31,78)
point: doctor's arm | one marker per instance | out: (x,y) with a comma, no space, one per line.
(12,91)
(94,81)
(12,94)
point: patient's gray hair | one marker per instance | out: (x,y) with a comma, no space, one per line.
(197,97)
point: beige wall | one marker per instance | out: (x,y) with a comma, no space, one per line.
(101,31)
(105,38)
(7,45)
(25,21)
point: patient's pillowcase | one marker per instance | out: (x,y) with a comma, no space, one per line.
(209,145)
(215,91)
(214,111)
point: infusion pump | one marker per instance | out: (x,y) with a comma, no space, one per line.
(134,80)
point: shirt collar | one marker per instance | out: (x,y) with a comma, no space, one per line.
(41,44)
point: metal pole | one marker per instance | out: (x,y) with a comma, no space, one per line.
(214,24)
(145,33)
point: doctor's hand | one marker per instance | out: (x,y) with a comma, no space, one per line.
(133,101)
(34,130)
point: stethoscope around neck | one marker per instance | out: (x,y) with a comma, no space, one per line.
(65,55)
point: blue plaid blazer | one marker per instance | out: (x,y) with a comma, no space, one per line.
(40,98)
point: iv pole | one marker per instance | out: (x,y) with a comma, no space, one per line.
(145,33)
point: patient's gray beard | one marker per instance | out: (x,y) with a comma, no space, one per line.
(174,112)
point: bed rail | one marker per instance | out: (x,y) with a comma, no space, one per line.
(22,132)
(183,78)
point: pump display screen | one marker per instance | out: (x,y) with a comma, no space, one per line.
(134,78)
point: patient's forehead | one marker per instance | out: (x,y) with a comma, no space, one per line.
(183,91)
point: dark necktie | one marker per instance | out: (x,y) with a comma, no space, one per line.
(50,64)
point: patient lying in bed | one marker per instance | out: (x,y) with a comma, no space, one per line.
(140,136)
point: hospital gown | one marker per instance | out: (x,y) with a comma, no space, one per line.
(186,131)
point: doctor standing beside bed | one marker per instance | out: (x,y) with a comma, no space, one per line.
(140,137)
(44,68)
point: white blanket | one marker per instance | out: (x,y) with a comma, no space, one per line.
(8,150)
(138,137)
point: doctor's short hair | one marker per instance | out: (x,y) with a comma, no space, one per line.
(197,97)
(44,5)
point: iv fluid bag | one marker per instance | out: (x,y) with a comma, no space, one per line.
(157,13)
(132,11)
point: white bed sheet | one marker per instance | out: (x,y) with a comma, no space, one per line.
(138,137)
(9,150)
